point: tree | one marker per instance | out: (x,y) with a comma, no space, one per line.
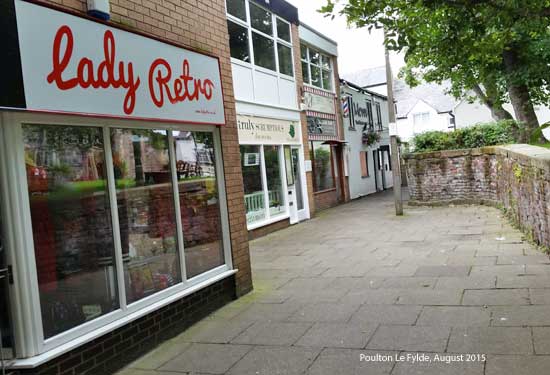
(498,49)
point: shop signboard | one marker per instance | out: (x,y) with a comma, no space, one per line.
(319,103)
(72,64)
(262,130)
(321,126)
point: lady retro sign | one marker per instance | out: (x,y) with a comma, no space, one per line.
(71,64)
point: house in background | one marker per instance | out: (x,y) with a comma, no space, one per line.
(368,164)
(418,109)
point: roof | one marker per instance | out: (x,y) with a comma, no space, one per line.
(432,94)
(344,83)
(367,77)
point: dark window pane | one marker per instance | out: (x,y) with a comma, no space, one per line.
(237,8)
(315,76)
(238,41)
(305,72)
(71,220)
(285,60)
(147,216)
(264,53)
(283,30)
(274,182)
(199,202)
(260,19)
(303,52)
(322,159)
(254,197)
(327,79)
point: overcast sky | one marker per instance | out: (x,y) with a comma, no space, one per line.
(357,48)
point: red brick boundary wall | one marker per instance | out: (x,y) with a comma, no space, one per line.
(515,178)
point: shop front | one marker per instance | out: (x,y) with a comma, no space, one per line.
(113,199)
(273,170)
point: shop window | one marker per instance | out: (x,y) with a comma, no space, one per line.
(199,201)
(237,8)
(238,41)
(283,30)
(264,54)
(274,180)
(323,172)
(147,217)
(285,59)
(319,73)
(261,19)
(263,41)
(71,222)
(254,196)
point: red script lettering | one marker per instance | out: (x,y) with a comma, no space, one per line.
(104,77)
(184,87)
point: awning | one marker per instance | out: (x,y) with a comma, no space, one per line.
(334,142)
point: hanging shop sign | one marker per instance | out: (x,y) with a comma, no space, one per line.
(321,126)
(260,130)
(72,64)
(319,103)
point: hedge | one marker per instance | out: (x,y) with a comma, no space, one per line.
(480,135)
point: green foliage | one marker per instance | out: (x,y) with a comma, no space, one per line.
(463,41)
(497,133)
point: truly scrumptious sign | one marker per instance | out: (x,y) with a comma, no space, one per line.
(258,130)
(72,64)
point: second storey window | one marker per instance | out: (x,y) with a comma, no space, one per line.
(378,116)
(316,68)
(259,37)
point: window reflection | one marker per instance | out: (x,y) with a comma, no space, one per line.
(260,19)
(274,182)
(145,199)
(199,202)
(254,197)
(71,221)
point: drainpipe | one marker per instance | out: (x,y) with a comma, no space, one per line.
(99,9)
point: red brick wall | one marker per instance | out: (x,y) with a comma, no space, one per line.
(199,25)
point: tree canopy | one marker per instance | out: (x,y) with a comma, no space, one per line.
(498,49)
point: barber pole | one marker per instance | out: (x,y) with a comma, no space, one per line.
(345,106)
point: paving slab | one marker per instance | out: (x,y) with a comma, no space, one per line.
(443,271)
(430,297)
(272,333)
(325,312)
(484,297)
(519,316)
(337,335)
(387,314)
(418,338)
(517,365)
(454,316)
(275,360)
(438,364)
(352,362)
(207,358)
(491,340)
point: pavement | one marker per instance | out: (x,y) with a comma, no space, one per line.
(357,290)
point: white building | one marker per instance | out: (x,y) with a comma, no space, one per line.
(368,168)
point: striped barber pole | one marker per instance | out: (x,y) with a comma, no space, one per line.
(345,107)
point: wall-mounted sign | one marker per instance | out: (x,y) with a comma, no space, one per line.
(72,64)
(319,103)
(321,126)
(259,130)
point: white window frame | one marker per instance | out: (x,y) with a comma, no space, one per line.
(320,66)
(28,330)
(274,38)
(269,219)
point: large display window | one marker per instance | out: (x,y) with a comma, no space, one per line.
(116,218)
(263,171)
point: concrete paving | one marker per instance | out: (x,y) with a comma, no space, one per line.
(356,290)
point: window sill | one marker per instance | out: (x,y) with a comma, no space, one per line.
(33,362)
(324,191)
(272,220)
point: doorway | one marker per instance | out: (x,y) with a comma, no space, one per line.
(6,339)
(295,185)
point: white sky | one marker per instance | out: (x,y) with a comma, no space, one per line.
(357,48)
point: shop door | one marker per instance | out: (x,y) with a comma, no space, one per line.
(6,340)
(383,169)
(294,185)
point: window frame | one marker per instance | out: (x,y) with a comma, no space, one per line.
(30,341)
(274,38)
(309,64)
(378,110)
(282,168)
